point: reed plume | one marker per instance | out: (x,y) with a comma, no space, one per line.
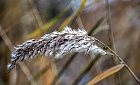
(56,44)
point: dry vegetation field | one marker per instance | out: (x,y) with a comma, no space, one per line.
(115,24)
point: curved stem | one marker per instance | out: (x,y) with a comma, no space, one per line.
(132,73)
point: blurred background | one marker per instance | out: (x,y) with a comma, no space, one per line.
(21,20)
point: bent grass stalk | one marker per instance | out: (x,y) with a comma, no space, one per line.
(115,54)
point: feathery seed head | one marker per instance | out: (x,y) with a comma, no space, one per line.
(55,44)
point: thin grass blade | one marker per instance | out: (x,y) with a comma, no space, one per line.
(71,18)
(106,74)
(96,25)
(86,69)
(100,29)
(48,24)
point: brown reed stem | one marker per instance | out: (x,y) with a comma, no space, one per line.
(111,39)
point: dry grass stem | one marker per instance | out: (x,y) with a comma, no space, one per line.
(132,73)
(111,39)
(36,14)
(22,65)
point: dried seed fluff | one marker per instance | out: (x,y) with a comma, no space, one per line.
(55,44)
